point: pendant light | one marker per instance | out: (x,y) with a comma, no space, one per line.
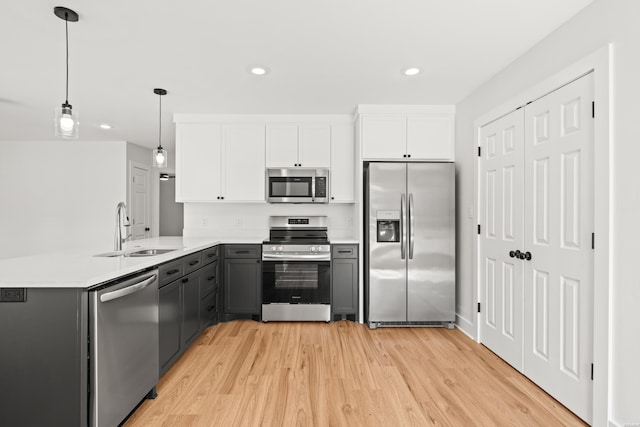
(160,154)
(66,121)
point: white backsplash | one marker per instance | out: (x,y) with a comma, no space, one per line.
(251,220)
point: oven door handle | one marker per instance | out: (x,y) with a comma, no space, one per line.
(301,257)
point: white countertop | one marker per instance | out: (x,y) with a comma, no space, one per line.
(82,269)
(344,241)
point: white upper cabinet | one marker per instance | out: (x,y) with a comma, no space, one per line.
(198,162)
(431,137)
(343,161)
(216,162)
(292,145)
(222,158)
(384,137)
(243,153)
(314,146)
(282,145)
(407,133)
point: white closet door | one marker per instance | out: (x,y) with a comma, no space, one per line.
(558,284)
(501,217)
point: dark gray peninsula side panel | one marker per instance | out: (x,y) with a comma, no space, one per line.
(43,359)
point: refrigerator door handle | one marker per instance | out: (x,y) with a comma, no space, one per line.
(403,208)
(412,226)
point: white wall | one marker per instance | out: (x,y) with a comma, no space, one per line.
(615,21)
(251,220)
(59,195)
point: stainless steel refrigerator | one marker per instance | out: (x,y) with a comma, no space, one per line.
(410,243)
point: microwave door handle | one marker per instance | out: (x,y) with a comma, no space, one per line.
(313,188)
(403,204)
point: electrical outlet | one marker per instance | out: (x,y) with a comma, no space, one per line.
(13,295)
(237,222)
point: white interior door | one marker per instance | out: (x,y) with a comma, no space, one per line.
(501,219)
(139,205)
(558,285)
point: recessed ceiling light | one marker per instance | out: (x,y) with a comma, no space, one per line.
(411,71)
(105,126)
(258,70)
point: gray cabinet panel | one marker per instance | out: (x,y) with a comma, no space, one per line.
(344,282)
(190,307)
(242,251)
(170,314)
(192,262)
(242,283)
(210,255)
(170,271)
(43,359)
(208,310)
(208,279)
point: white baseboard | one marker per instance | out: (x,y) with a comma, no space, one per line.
(467,327)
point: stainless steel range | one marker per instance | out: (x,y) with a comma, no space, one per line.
(296,270)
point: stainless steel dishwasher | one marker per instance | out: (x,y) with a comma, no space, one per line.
(123,348)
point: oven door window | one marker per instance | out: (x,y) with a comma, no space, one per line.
(290,186)
(295,282)
(296,276)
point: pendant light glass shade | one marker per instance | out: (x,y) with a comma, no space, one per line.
(66,122)
(160,158)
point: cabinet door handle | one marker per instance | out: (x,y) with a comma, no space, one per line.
(211,307)
(172,272)
(242,252)
(344,252)
(210,278)
(212,254)
(192,263)
(185,280)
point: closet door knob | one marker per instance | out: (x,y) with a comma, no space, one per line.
(512,254)
(527,256)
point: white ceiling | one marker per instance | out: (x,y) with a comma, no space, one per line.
(325,56)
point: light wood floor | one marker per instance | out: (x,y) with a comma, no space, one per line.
(247,373)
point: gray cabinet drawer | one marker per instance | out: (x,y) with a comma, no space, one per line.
(344,251)
(208,310)
(208,280)
(209,255)
(242,251)
(170,271)
(192,262)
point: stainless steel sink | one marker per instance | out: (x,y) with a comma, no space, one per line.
(149,252)
(137,253)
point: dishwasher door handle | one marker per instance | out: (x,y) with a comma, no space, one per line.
(109,296)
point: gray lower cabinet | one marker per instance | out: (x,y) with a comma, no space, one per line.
(209,295)
(170,316)
(190,308)
(242,281)
(44,359)
(180,305)
(344,282)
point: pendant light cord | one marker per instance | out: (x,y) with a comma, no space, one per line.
(160,123)
(66,30)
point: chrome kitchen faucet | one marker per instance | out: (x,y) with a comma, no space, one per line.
(122,221)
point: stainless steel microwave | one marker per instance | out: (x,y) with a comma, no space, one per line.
(298,185)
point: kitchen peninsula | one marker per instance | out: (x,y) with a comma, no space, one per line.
(47,325)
